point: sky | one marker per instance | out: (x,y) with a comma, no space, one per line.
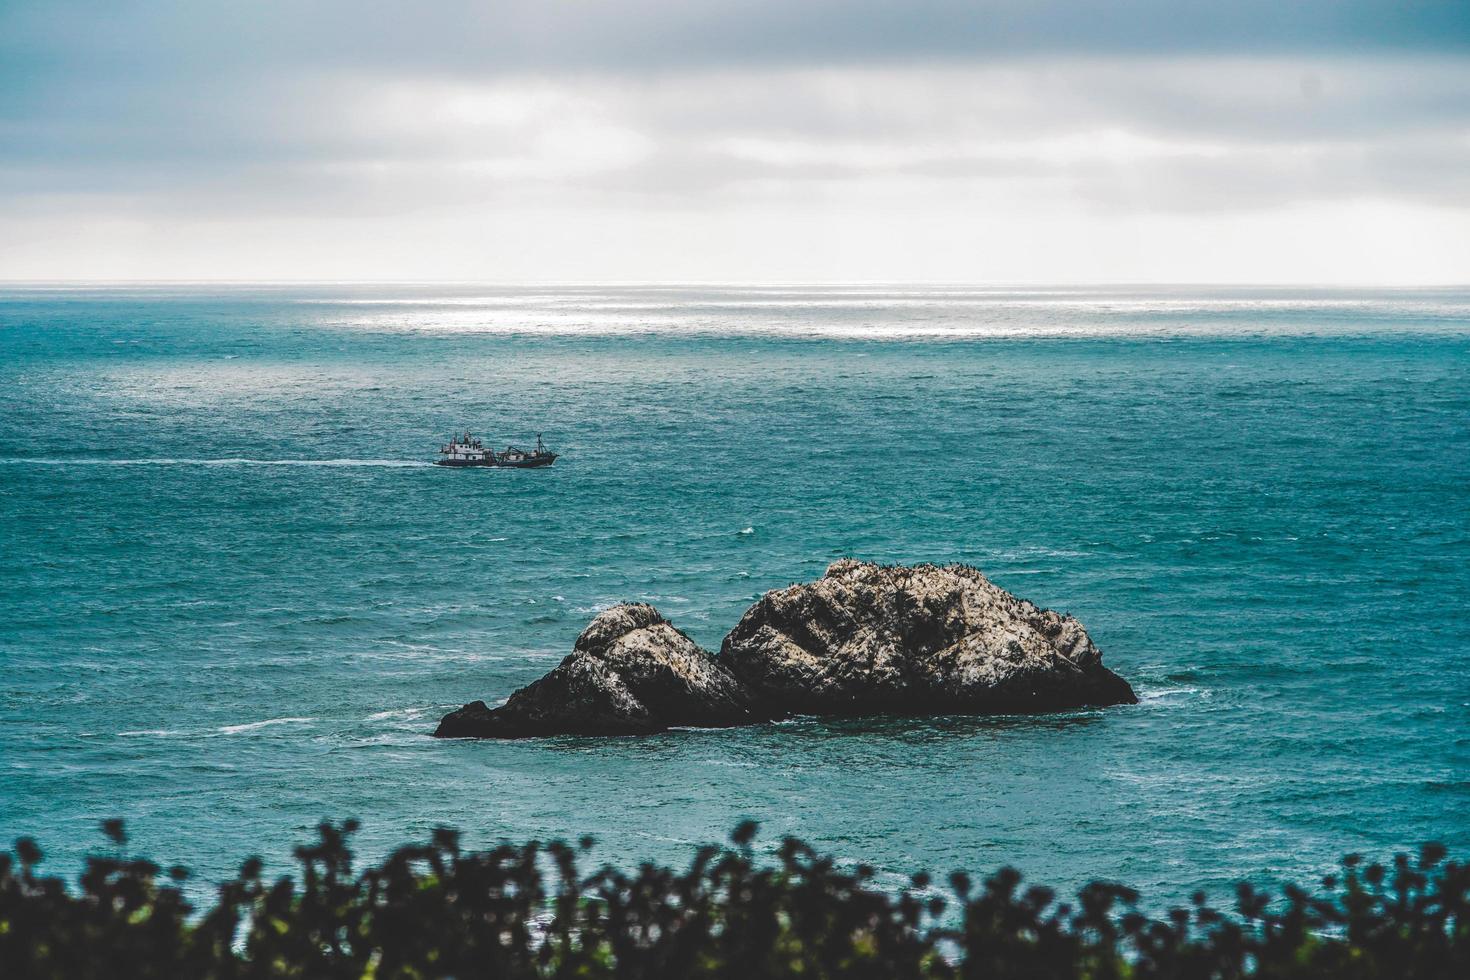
(1252,141)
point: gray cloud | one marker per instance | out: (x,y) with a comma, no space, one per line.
(1172,133)
(184,111)
(639,35)
(82,63)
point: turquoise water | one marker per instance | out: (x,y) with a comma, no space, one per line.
(243,600)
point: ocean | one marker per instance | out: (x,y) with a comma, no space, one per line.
(235,597)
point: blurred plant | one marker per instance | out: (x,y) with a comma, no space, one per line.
(438,911)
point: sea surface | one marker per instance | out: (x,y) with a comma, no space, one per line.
(235,598)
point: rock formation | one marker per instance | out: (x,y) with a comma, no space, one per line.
(629,673)
(927,639)
(863,639)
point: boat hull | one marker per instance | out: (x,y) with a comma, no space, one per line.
(519,464)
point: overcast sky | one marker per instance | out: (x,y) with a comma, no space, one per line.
(984,141)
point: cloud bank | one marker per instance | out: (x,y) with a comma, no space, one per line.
(996,141)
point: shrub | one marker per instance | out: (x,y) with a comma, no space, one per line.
(527,911)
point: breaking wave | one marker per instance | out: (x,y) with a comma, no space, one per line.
(254,725)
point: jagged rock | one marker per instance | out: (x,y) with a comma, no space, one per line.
(867,638)
(630,672)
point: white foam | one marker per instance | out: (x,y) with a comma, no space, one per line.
(396,713)
(254,725)
(1167,692)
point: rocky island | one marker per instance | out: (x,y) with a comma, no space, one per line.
(863,639)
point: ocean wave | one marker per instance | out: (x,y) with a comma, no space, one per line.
(378,740)
(1159,694)
(396,713)
(255,725)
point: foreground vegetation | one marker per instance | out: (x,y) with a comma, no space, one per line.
(435,910)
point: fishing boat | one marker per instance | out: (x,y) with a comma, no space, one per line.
(466,450)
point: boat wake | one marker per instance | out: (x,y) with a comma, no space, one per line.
(233,461)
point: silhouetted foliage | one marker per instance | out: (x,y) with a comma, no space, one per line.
(527,911)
